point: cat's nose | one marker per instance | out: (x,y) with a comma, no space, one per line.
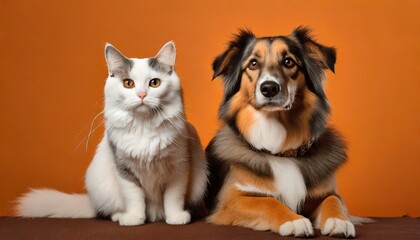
(142,95)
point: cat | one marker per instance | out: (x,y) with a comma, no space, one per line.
(150,163)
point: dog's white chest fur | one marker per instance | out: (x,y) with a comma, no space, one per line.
(289,182)
(289,185)
(267,133)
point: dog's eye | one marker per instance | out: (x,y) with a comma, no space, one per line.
(128,83)
(154,83)
(253,64)
(289,62)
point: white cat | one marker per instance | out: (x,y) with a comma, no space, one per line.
(150,163)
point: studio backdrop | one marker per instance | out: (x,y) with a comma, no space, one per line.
(52,75)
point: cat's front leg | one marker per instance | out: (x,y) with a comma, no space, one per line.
(134,204)
(174,200)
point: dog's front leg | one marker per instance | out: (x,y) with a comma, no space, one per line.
(261,213)
(333,219)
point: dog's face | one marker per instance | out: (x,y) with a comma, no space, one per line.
(271,71)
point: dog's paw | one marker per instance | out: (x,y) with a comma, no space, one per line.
(338,228)
(128,219)
(298,228)
(178,218)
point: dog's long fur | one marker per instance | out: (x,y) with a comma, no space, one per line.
(252,184)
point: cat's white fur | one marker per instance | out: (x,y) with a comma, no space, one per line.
(140,135)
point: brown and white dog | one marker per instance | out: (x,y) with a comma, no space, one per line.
(274,158)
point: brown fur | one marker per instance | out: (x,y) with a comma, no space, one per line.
(320,190)
(256,212)
(331,207)
(295,121)
(240,164)
(241,175)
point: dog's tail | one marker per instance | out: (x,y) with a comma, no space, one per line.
(54,204)
(360,220)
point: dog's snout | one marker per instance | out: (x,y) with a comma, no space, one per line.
(270,88)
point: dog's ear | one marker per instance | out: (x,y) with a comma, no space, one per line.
(324,56)
(228,64)
(223,64)
(316,58)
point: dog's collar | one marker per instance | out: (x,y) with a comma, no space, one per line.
(296,152)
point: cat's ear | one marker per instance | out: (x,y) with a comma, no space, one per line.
(167,54)
(116,61)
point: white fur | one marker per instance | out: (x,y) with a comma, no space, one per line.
(291,89)
(266,132)
(338,227)
(253,189)
(298,228)
(130,126)
(134,202)
(102,181)
(128,116)
(59,205)
(289,182)
(360,220)
(174,198)
(259,98)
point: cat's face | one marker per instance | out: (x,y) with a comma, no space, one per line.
(142,86)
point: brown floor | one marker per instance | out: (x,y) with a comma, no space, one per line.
(45,228)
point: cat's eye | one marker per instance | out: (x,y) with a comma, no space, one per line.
(154,83)
(253,64)
(128,83)
(289,62)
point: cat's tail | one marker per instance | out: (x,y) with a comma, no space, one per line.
(54,204)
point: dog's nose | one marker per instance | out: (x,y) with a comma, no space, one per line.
(270,88)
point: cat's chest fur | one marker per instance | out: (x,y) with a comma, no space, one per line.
(145,140)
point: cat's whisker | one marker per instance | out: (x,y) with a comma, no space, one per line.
(179,115)
(176,127)
(175,143)
(168,119)
(91,131)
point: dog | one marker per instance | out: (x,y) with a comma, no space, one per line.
(273,160)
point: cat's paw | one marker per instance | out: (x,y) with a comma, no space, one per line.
(298,228)
(178,218)
(129,219)
(338,228)
(116,217)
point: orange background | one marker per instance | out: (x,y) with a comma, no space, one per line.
(52,73)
